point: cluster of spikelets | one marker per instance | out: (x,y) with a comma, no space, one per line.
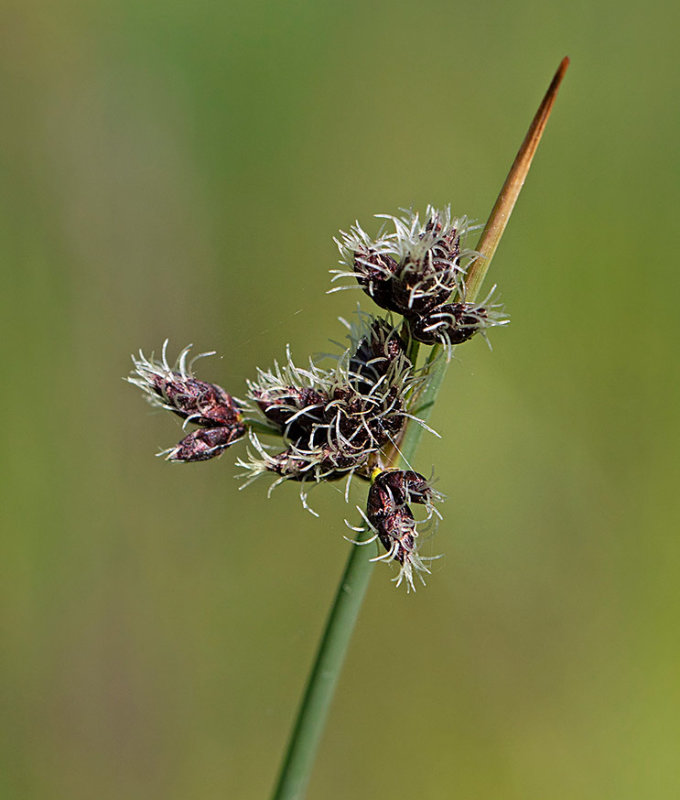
(413,270)
(338,422)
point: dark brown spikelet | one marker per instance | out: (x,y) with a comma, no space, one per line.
(296,412)
(374,273)
(320,462)
(363,421)
(197,401)
(375,352)
(389,514)
(397,533)
(404,486)
(426,282)
(395,489)
(206,443)
(449,324)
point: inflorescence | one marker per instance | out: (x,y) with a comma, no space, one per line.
(347,419)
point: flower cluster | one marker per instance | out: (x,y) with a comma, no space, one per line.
(206,405)
(346,419)
(389,514)
(334,421)
(413,270)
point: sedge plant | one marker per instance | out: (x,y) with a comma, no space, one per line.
(357,416)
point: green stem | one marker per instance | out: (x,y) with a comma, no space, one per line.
(304,741)
(306,735)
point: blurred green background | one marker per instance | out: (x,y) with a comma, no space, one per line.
(178,170)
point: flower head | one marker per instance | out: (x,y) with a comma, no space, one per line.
(389,514)
(411,269)
(334,419)
(454,323)
(204,404)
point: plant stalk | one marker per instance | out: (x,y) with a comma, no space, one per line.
(310,722)
(311,719)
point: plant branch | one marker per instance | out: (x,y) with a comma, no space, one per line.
(321,684)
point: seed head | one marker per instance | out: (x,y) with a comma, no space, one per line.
(205,443)
(334,419)
(396,488)
(390,516)
(197,402)
(411,269)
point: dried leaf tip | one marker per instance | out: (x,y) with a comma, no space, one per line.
(507,197)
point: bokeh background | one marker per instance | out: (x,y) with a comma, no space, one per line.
(178,170)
